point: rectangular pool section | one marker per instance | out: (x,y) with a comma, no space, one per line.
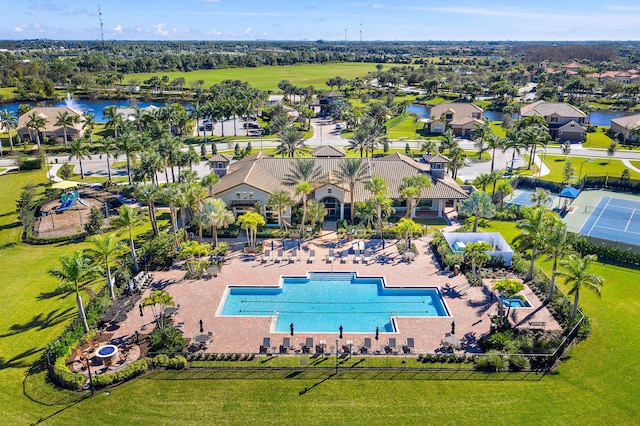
(324,301)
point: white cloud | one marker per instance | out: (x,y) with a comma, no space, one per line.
(118,29)
(160,29)
(18,29)
(248,31)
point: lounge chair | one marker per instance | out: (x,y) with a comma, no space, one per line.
(294,256)
(266,342)
(358,257)
(280,256)
(286,342)
(392,342)
(266,256)
(308,344)
(410,342)
(343,256)
(367,256)
(312,256)
(331,256)
(283,349)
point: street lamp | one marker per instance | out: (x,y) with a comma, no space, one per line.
(588,160)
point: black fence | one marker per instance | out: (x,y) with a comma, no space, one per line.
(587,182)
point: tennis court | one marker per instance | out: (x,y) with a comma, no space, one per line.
(614,219)
(523,198)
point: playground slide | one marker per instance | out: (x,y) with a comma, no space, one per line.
(83,202)
(66,205)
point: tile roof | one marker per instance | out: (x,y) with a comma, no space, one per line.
(627,122)
(51,115)
(270,174)
(328,151)
(550,108)
(221,157)
(464,109)
(435,158)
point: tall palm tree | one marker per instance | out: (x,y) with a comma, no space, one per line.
(493,143)
(304,169)
(514,141)
(409,193)
(448,141)
(280,200)
(484,133)
(353,171)
(88,124)
(109,148)
(476,253)
(578,274)
(149,194)
(172,194)
(129,146)
(482,181)
(534,226)
(128,218)
(358,142)
(209,182)
(479,205)
(317,212)
(380,195)
(106,248)
(114,119)
(65,120)
(421,182)
(291,143)
(303,189)
(456,160)
(250,222)
(36,123)
(75,272)
(503,189)
(215,216)
(79,149)
(9,122)
(558,243)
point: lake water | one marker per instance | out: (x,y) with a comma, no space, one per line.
(95,106)
(599,118)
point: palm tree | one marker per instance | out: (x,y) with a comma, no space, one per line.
(280,200)
(496,175)
(128,218)
(477,254)
(407,228)
(353,171)
(421,182)
(36,123)
(358,142)
(79,149)
(149,194)
(380,195)
(250,222)
(209,181)
(534,226)
(291,143)
(215,215)
(88,123)
(158,297)
(513,140)
(479,205)
(540,196)
(558,243)
(9,122)
(507,289)
(303,189)
(493,143)
(317,212)
(456,160)
(409,193)
(503,189)
(484,134)
(105,248)
(172,194)
(578,274)
(75,272)
(114,118)
(129,146)
(65,120)
(191,250)
(482,181)
(109,148)
(303,170)
(448,141)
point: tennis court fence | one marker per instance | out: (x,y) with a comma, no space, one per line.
(587,182)
(608,211)
(613,242)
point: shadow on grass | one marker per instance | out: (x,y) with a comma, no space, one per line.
(10,226)
(41,321)
(18,360)
(7,245)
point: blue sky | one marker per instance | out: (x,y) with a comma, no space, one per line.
(327,19)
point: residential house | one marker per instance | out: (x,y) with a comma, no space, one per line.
(625,127)
(50,130)
(460,117)
(322,105)
(251,180)
(565,122)
(625,77)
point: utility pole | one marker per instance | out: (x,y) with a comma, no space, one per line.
(101,26)
(360,30)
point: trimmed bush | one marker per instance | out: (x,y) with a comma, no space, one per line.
(129,372)
(61,376)
(491,363)
(178,362)
(161,360)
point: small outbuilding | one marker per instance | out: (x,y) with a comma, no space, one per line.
(458,241)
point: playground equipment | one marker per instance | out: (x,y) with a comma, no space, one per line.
(67,200)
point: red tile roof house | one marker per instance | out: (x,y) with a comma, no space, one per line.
(565,122)
(458,116)
(625,125)
(251,180)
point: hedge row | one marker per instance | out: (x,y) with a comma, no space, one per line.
(609,253)
(61,376)
(130,371)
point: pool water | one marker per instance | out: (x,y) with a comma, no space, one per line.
(322,302)
(515,302)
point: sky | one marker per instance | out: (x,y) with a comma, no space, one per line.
(326,19)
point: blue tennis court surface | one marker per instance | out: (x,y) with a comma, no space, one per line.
(614,219)
(524,199)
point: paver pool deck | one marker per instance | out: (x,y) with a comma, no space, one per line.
(469,307)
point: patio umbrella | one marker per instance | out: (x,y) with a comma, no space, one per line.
(298,244)
(377,332)
(340,331)
(140,307)
(453,327)
(201,327)
(272,245)
(291,328)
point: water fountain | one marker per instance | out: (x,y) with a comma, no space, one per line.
(72,103)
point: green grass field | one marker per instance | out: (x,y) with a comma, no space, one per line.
(6,94)
(596,383)
(597,139)
(267,78)
(597,166)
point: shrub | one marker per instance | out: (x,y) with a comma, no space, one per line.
(66,171)
(130,371)
(64,378)
(159,250)
(497,341)
(161,360)
(96,220)
(178,362)
(518,363)
(167,339)
(221,249)
(493,362)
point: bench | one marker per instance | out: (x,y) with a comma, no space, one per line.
(538,325)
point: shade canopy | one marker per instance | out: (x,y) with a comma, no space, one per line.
(65,184)
(570,192)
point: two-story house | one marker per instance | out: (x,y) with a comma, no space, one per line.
(565,122)
(460,117)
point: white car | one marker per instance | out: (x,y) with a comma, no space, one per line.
(340,126)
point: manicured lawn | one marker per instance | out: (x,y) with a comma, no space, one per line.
(406,129)
(599,166)
(598,139)
(596,384)
(497,128)
(6,94)
(267,78)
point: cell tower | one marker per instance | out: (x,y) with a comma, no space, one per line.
(101,26)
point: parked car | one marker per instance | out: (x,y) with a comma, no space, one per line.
(207,126)
(340,126)
(249,125)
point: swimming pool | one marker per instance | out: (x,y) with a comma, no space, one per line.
(515,302)
(324,301)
